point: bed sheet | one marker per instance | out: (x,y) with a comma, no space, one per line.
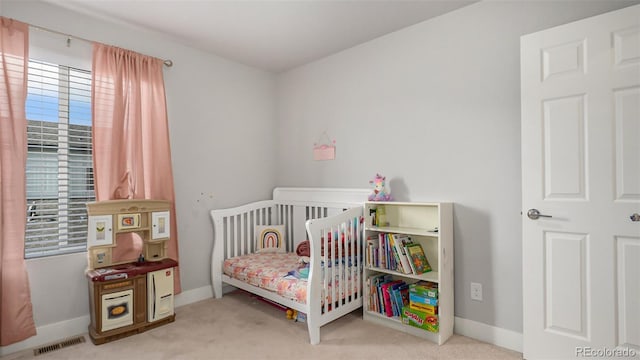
(269,271)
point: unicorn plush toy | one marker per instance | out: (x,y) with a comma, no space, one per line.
(379,191)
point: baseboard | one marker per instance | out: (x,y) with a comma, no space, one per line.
(194,295)
(490,334)
(50,333)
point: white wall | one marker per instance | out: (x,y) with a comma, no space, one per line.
(218,111)
(436,108)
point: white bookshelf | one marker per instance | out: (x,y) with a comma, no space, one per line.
(431,225)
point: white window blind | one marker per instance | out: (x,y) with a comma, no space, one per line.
(59,170)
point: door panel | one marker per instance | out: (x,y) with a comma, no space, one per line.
(627,46)
(564,148)
(627,141)
(562,60)
(629,290)
(580,101)
(566,284)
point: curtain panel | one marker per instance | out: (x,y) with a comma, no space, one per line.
(16,312)
(132,155)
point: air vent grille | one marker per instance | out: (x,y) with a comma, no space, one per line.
(59,345)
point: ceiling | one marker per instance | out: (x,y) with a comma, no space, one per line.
(271,35)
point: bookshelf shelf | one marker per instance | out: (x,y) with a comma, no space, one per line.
(375,314)
(405,230)
(418,221)
(432,276)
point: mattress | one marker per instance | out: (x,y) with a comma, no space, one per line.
(270,271)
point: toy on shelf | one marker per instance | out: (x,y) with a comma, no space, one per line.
(379,191)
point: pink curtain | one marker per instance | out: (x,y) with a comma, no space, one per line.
(132,156)
(16,314)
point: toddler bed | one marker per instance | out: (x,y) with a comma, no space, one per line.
(254,250)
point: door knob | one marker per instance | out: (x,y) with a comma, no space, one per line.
(635,217)
(534,214)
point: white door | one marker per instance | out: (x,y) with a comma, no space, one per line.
(581,166)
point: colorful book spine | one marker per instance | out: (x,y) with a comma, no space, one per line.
(396,292)
(388,307)
(399,242)
(382,251)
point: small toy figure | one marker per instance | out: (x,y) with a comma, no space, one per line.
(379,191)
(292,314)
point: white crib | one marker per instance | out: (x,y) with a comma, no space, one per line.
(318,212)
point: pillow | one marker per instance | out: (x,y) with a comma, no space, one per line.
(304,249)
(270,239)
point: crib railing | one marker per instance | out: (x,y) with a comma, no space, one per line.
(335,274)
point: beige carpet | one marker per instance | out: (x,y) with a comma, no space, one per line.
(240,327)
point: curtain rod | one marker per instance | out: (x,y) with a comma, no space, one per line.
(167,63)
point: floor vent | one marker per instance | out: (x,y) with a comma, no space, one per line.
(59,345)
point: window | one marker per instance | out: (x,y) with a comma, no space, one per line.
(59,169)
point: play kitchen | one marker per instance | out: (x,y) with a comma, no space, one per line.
(129,294)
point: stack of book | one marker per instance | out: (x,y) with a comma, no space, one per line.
(422,311)
(387,296)
(396,252)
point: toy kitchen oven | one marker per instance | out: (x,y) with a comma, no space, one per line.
(129,297)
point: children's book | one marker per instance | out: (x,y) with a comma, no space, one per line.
(396,292)
(382,251)
(381,281)
(388,307)
(381,216)
(419,263)
(404,293)
(396,265)
(399,243)
(374,282)
(372,251)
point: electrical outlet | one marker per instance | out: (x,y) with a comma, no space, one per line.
(476,291)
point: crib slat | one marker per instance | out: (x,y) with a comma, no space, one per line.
(347,262)
(341,265)
(289,225)
(227,235)
(252,226)
(242,232)
(234,250)
(327,274)
(358,258)
(360,236)
(352,260)
(335,291)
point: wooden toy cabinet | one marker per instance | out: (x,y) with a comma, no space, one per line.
(133,295)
